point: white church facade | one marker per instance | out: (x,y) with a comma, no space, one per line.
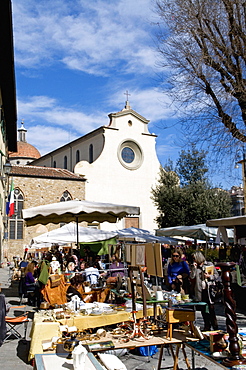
(119,163)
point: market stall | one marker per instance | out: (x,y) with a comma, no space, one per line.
(45,325)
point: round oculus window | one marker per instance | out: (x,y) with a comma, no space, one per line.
(127,155)
(130,155)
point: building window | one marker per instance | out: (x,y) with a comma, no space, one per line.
(65,196)
(127,155)
(77,156)
(65,162)
(16,221)
(130,155)
(90,153)
(131,222)
(54,164)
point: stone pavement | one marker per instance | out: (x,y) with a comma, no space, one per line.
(14,353)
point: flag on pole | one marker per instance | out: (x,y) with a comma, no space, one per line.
(10,206)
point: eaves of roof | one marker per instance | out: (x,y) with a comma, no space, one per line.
(44,172)
(7,73)
(61,148)
(124,112)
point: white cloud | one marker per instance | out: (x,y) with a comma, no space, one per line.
(47,138)
(92,36)
(149,102)
(44,109)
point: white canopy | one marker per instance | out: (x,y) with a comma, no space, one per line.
(228,221)
(200,231)
(77,210)
(141,235)
(68,234)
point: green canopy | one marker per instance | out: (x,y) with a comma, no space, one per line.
(98,248)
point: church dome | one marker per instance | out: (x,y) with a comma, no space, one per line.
(25,150)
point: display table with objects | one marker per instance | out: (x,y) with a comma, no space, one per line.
(157,339)
(46,326)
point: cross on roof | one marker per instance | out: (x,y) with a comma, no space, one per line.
(127,94)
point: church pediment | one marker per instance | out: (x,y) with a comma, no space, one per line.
(125,112)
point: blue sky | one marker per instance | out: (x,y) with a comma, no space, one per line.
(75,59)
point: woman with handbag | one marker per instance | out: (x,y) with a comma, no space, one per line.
(203,274)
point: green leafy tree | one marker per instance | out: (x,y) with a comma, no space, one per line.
(191,201)
(191,166)
(168,197)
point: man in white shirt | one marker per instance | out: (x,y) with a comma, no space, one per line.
(91,274)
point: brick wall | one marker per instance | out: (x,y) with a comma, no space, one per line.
(38,191)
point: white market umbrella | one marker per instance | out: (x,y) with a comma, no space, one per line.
(77,210)
(68,234)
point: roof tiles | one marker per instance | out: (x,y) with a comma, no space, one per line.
(45,172)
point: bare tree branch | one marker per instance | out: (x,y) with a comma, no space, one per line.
(204,44)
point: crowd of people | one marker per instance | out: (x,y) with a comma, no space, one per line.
(184,274)
(195,279)
(88,268)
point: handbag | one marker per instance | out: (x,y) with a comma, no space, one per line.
(213,291)
(55,280)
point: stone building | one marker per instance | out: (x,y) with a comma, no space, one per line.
(237,198)
(34,186)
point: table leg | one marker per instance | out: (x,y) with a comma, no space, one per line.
(193,359)
(155,311)
(185,357)
(176,358)
(169,331)
(160,357)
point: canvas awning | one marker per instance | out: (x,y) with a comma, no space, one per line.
(141,235)
(228,221)
(68,234)
(200,231)
(77,210)
(237,222)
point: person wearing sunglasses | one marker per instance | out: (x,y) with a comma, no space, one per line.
(178,272)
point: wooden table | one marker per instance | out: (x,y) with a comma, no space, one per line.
(46,330)
(159,339)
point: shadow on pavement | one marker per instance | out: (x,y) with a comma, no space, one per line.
(22,350)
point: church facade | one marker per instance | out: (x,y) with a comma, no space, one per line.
(119,163)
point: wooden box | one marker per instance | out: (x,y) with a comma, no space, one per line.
(175,315)
(217,340)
